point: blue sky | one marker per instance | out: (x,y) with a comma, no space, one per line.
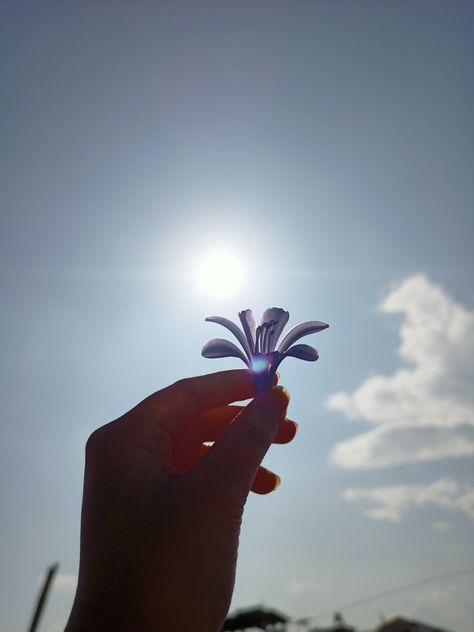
(329,145)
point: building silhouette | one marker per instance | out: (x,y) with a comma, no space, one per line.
(256,617)
(271,620)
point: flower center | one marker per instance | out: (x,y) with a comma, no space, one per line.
(264,333)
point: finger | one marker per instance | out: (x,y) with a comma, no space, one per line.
(265,481)
(213,424)
(180,402)
(210,426)
(235,458)
(286,431)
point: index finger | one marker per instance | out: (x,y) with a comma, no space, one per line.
(194,395)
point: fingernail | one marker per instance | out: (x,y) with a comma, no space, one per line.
(277,482)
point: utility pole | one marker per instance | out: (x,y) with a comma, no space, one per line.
(43,595)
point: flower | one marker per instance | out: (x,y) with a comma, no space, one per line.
(258,344)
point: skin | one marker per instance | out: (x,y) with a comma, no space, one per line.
(161,512)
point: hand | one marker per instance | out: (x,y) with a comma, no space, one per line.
(161,512)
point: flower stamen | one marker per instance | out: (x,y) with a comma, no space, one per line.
(257,339)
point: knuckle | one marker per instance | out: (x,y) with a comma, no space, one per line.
(92,441)
(185,391)
(98,440)
(229,501)
(184,386)
(181,382)
(257,433)
(238,491)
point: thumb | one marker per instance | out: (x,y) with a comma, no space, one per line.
(233,461)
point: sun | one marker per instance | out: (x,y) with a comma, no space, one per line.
(220,273)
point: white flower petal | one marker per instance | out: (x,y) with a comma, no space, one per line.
(248,325)
(221,348)
(303,352)
(235,329)
(304,329)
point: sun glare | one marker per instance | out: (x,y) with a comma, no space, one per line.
(220,273)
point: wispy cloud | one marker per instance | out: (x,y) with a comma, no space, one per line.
(441,526)
(301,587)
(448,605)
(392,503)
(65,583)
(425,410)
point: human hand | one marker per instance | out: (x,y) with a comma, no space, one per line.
(161,512)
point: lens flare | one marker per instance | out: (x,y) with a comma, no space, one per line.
(260,364)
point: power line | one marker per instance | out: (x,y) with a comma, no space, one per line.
(385,593)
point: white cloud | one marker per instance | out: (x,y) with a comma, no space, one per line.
(392,503)
(386,446)
(423,411)
(441,526)
(65,583)
(301,587)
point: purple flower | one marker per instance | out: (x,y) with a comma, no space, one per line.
(259,344)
